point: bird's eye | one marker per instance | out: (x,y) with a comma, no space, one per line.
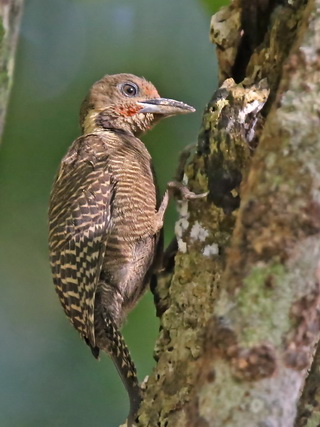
(129,89)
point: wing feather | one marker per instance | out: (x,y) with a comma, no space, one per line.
(79,219)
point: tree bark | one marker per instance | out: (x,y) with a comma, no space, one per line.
(239,305)
(260,341)
(10,17)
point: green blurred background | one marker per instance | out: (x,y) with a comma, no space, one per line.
(47,375)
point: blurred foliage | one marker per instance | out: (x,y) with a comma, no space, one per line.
(48,376)
(212,6)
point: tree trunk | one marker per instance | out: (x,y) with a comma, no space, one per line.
(239,304)
(10,16)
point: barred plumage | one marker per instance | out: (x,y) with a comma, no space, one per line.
(105,218)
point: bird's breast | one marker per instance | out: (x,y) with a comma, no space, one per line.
(134,204)
(131,241)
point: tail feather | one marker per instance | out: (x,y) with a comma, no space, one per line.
(110,339)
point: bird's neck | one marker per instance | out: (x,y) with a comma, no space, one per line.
(90,124)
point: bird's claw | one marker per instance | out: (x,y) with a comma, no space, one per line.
(190,195)
(181,191)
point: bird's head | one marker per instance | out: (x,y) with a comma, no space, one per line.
(127,103)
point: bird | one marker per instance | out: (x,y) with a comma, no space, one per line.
(106,216)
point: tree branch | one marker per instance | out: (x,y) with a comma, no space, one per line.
(10,17)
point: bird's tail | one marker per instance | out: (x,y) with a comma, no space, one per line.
(110,339)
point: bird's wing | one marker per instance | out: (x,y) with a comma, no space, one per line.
(79,219)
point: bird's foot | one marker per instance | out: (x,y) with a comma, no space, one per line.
(181,191)
(177,189)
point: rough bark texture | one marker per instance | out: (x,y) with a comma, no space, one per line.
(203,233)
(239,318)
(266,322)
(10,16)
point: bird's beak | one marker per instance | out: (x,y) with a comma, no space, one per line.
(165,107)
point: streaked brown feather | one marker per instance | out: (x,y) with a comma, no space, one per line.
(79,216)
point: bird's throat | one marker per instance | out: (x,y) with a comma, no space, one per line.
(131,123)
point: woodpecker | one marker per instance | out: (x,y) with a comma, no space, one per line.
(106,217)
